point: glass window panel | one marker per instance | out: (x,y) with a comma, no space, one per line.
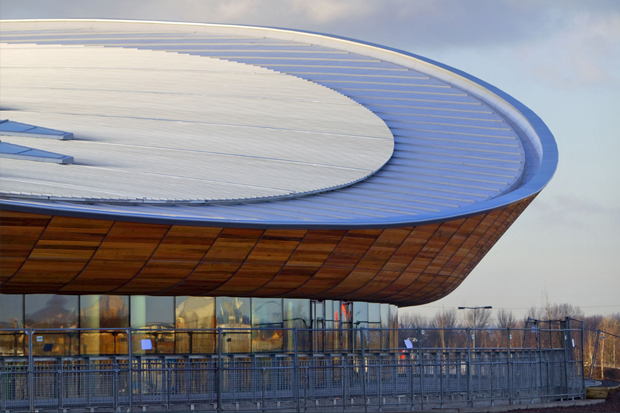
(234,312)
(267,317)
(197,314)
(104,311)
(394,326)
(12,316)
(360,314)
(52,311)
(346,325)
(385,325)
(374,322)
(360,320)
(153,313)
(11,311)
(332,315)
(297,315)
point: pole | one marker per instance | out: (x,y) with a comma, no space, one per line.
(296,369)
(218,371)
(130,367)
(363,343)
(469,372)
(30,334)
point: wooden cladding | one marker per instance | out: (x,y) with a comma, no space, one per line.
(402,266)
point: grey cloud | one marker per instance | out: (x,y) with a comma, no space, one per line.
(401,23)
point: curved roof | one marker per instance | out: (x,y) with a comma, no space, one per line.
(460,146)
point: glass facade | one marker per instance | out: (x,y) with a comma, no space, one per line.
(233,313)
(103,311)
(194,314)
(188,325)
(43,311)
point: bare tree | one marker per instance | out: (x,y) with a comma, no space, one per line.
(506,319)
(410,320)
(445,320)
(481,317)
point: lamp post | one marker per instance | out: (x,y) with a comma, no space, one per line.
(474,326)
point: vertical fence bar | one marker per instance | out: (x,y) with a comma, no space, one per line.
(566,360)
(130,366)
(296,370)
(30,335)
(363,366)
(218,370)
(509,366)
(60,384)
(421,367)
(583,374)
(470,389)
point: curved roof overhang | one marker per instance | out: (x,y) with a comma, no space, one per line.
(543,156)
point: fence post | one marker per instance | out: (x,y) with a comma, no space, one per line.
(470,401)
(566,356)
(30,334)
(130,366)
(218,370)
(583,375)
(60,385)
(509,365)
(421,366)
(296,369)
(363,343)
(540,363)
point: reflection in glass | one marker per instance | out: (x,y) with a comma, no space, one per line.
(152,313)
(104,311)
(374,322)
(385,324)
(394,326)
(266,316)
(233,312)
(331,318)
(52,311)
(346,325)
(195,313)
(360,320)
(12,316)
(297,315)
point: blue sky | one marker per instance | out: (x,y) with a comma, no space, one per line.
(560,58)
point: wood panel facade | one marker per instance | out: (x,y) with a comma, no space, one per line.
(402,266)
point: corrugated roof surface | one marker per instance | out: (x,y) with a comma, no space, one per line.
(452,150)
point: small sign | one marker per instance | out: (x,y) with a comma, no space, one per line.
(510,337)
(408,344)
(146,344)
(533,329)
(573,342)
(422,332)
(39,338)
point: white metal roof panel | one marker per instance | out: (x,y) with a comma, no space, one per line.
(459,148)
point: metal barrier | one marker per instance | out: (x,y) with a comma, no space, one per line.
(526,369)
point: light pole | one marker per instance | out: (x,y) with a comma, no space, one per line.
(474,326)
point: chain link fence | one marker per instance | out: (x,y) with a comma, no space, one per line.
(432,368)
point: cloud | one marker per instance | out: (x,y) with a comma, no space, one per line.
(438,23)
(586,53)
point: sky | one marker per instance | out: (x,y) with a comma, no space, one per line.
(560,58)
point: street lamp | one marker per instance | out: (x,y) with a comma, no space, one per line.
(487,307)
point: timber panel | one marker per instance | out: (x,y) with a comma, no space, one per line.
(403,266)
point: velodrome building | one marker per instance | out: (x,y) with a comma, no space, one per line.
(184,176)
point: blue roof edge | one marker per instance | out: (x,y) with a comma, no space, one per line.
(544,174)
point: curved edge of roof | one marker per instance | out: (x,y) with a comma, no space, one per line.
(531,124)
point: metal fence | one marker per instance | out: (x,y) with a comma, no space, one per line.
(422,374)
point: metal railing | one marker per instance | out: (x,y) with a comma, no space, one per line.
(511,366)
